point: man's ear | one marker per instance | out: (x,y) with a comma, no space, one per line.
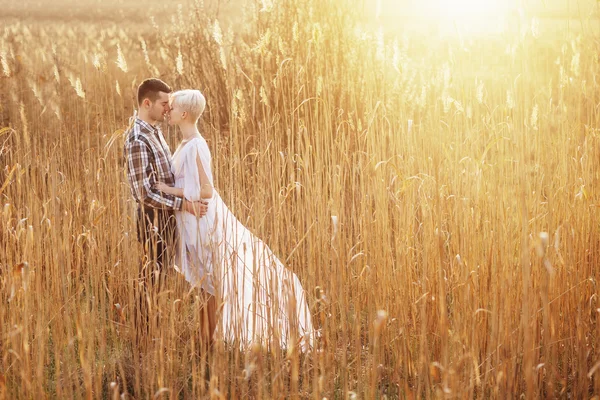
(146,103)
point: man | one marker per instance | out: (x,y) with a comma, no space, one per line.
(148,161)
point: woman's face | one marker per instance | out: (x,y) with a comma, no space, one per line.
(175,114)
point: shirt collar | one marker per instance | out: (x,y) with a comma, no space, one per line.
(146,125)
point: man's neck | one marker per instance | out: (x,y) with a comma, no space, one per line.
(146,119)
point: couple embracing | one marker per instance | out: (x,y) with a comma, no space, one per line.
(247,292)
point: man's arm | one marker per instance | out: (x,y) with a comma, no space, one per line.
(197,208)
(142,179)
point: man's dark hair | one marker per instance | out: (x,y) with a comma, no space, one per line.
(149,90)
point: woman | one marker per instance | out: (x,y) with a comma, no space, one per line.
(261,300)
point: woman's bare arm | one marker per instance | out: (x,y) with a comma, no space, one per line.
(206,189)
(163,187)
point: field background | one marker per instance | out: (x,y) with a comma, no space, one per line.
(434,188)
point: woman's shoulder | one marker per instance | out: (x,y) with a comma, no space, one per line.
(199,144)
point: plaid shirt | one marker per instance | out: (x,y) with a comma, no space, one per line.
(148,161)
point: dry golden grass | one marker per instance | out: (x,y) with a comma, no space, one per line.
(436,197)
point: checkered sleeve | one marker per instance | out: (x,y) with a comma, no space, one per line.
(142,177)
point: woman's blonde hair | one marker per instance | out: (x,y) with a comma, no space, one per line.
(190,100)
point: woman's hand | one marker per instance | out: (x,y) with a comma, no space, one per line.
(163,187)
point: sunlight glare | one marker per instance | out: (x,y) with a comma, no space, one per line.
(468,16)
(465,9)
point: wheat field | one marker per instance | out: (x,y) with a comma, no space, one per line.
(436,195)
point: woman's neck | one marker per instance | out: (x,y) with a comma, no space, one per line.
(189,131)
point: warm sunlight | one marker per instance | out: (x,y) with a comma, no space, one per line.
(470,8)
(269,199)
(473,15)
(470,15)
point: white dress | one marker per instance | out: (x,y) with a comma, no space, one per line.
(261,300)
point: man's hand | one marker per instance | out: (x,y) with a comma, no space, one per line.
(197,208)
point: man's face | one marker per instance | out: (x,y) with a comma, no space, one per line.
(160,107)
